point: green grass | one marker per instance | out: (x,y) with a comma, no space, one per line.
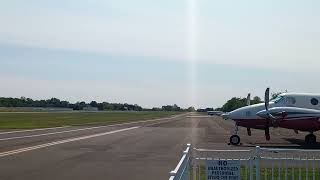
(292,173)
(55,119)
(32,109)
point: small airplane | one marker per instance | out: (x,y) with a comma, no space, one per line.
(296,111)
(214,113)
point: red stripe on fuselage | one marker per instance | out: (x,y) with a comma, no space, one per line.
(301,124)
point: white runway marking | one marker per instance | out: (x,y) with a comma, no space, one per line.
(198,116)
(161,122)
(31,130)
(47,134)
(8,153)
(74,130)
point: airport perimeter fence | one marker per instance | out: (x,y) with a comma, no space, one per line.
(181,172)
(256,164)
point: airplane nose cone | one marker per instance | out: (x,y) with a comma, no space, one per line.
(230,115)
(234,114)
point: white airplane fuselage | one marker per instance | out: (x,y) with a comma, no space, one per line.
(300,112)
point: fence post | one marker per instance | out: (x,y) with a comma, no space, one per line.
(187,168)
(172,173)
(188,149)
(257,159)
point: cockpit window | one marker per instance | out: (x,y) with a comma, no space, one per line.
(290,100)
(277,99)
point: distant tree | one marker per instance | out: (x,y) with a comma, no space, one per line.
(167,108)
(201,110)
(191,109)
(236,102)
(94,104)
(256,100)
(79,105)
(55,102)
(136,107)
(171,108)
(233,104)
(100,106)
(64,104)
(82,105)
(156,109)
(176,108)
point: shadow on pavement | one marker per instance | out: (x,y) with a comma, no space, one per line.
(295,144)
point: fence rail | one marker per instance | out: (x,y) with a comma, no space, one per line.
(255,164)
(181,172)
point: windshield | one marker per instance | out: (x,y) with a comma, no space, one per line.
(277,99)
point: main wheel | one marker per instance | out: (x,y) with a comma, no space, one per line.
(311,139)
(235,140)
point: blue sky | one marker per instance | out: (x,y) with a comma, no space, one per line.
(138,51)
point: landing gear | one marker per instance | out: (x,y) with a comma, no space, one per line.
(235,140)
(267,134)
(249,131)
(268,137)
(311,139)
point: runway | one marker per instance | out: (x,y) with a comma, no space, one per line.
(142,150)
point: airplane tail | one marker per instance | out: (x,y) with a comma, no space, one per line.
(249,99)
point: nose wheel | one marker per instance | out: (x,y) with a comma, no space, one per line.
(234,140)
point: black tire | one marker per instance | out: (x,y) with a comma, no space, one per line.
(311,139)
(234,140)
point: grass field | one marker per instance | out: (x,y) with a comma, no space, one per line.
(32,109)
(54,119)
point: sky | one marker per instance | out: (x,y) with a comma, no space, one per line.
(187,52)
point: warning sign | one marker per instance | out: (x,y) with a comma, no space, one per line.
(222,170)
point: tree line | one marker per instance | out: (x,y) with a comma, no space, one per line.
(236,102)
(230,105)
(104,106)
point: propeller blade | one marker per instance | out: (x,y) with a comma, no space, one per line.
(266,103)
(267,99)
(270,119)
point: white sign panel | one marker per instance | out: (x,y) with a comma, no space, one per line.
(223,170)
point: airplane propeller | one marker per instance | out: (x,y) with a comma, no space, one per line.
(269,118)
(266,103)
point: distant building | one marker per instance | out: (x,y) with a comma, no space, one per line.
(90,108)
